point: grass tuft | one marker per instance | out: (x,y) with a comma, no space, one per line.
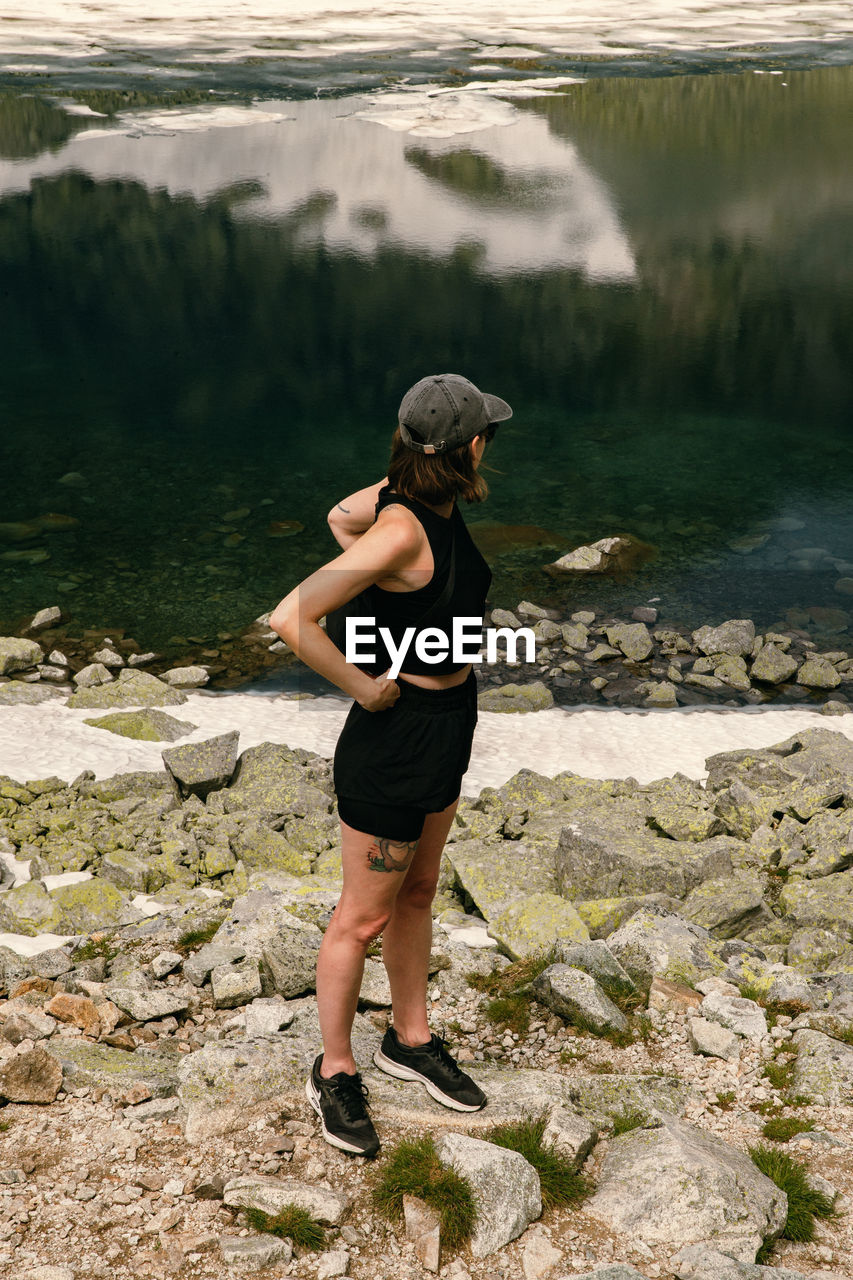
(5,1126)
(560,1182)
(784,1128)
(195,938)
(627,1119)
(412,1167)
(510,991)
(727,1099)
(804,1202)
(779,1073)
(289,1223)
(92,950)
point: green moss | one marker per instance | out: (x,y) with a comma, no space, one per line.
(289,1223)
(412,1167)
(560,1183)
(804,1202)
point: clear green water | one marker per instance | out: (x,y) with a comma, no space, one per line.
(216,321)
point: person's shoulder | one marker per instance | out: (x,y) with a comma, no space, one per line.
(398,524)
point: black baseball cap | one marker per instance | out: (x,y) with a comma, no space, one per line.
(445,410)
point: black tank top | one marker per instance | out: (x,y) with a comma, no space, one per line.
(398,610)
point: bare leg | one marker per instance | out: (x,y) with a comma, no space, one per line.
(373,873)
(407,937)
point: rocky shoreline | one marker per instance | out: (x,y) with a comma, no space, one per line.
(698,977)
(581,659)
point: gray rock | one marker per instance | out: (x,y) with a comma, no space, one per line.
(270,1195)
(234,985)
(115,1071)
(743,1017)
(604,852)
(823,1069)
(492,882)
(192,677)
(148,724)
(27,1024)
(47,1272)
(91,905)
(614,1271)
(535,696)
(676,1184)
(199,966)
(503,618)
(132,689)
(658,693)
(826,903)
(201,767)
(737,636)
(506,1189)
(596,959)
(632,638)
(772,666)
(728,907)
(270,779)
(17,694)
(125,870)
(704,1262)
(575,636)
(49,617)
(818,673)
(254,1253)
(165,962)
(536,923)
(285,945)
(109,658)
(594,557)
(266,1016)
(92,676)
(713,1040)
(656,943)
(577,997)
(31,1076)
(18,655)
(144,1005)
(423,1231)
(571,1135)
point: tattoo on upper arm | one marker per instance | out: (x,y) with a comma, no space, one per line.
(390,855)
(345,510)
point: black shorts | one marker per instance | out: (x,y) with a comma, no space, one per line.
(394,767)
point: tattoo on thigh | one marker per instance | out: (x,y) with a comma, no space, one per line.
(390,855)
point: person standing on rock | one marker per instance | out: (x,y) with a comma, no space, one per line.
(406,742)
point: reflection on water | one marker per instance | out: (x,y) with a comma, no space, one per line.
(211,329)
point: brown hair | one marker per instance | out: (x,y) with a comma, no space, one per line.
(434,478)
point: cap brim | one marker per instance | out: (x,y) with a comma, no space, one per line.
(497,409)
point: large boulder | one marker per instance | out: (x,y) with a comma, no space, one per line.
(133,688)
(506,1189)
(285,945)
(656,943)
(703,1262)
(493,881)
(201,767)
(29,909)
(632,638)
(91,905)
(31,1076)
(578,998)
(270,779)
(728,907)
(678,1185)
(826,903)
(145,725)
(535,924)
(18,655)
(823,1069)
(18,694)
(606,853)
(115,1071)
(737,636)
(772,666)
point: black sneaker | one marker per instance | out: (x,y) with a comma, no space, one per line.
(433,1066)
(341,1104)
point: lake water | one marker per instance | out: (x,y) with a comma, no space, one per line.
(221,266)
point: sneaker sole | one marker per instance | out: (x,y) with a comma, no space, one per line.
(333,1140)
(392,1068)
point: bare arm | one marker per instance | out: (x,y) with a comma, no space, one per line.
(383,549)
(354,514)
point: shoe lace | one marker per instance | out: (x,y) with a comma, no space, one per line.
(353,1094)
(440,1048)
